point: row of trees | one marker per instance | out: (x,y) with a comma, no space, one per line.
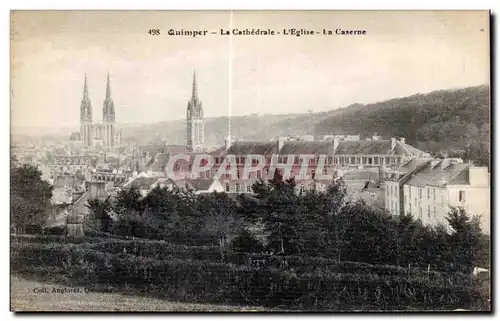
(315,224)
(178,216)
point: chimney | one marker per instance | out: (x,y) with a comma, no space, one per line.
(393,143)
(478,176)
(402,140)
(336,142)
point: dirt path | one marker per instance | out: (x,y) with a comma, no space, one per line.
(27,295)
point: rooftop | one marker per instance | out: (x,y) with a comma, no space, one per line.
(435,174)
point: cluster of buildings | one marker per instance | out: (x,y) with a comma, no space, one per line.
(388,173)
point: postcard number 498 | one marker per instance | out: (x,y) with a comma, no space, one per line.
(154,32)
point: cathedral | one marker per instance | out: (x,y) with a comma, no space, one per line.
(103,134)
(195,124)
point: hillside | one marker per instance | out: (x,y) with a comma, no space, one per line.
(251,127)
(452,122)
(444,122)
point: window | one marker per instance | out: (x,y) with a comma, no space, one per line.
(434,192)
(313,173)
(227,187)
(434,211)
(249,188)
(420,193)
(461,196)
(370,160)
(364,160)
(409,191)
(353,160)
(388,191)
(420,212)
(335,160)
(375,160)
(387,160)
(302,190)
(259,175)
(409,208)
(429,211)
(237,187)
(238,173)
(428,192)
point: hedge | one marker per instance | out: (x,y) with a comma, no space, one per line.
(203,281)
(49,239)
(161,250)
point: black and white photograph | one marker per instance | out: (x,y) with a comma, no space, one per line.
(250,161)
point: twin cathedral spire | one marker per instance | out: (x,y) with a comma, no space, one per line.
(91,132)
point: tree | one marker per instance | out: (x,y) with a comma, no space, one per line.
(30,198)
(217,212)
(99,211)
(246,242)
(335,219)
(466,238)
(129,200)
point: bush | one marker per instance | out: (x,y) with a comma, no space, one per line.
(203,281)
(246,242)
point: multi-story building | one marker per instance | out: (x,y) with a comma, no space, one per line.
(334,158)
(429,190)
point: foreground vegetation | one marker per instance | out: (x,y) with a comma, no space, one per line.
(317,251)
(231,278)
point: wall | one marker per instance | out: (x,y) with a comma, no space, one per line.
(392,197)
(477,202)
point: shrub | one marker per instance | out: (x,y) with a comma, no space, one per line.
(246,242)
(192,280)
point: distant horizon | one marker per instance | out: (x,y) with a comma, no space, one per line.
(401,53)
(75,128)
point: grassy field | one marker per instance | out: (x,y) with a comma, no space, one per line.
(24,299)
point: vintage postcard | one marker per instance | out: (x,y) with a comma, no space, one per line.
(250,161)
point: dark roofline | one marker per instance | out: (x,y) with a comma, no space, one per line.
(403,180)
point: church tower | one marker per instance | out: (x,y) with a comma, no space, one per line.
(108,118)
(86,132)
(195,123)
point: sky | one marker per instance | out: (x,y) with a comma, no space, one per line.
(402,53)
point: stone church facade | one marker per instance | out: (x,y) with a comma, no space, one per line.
(103,134)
